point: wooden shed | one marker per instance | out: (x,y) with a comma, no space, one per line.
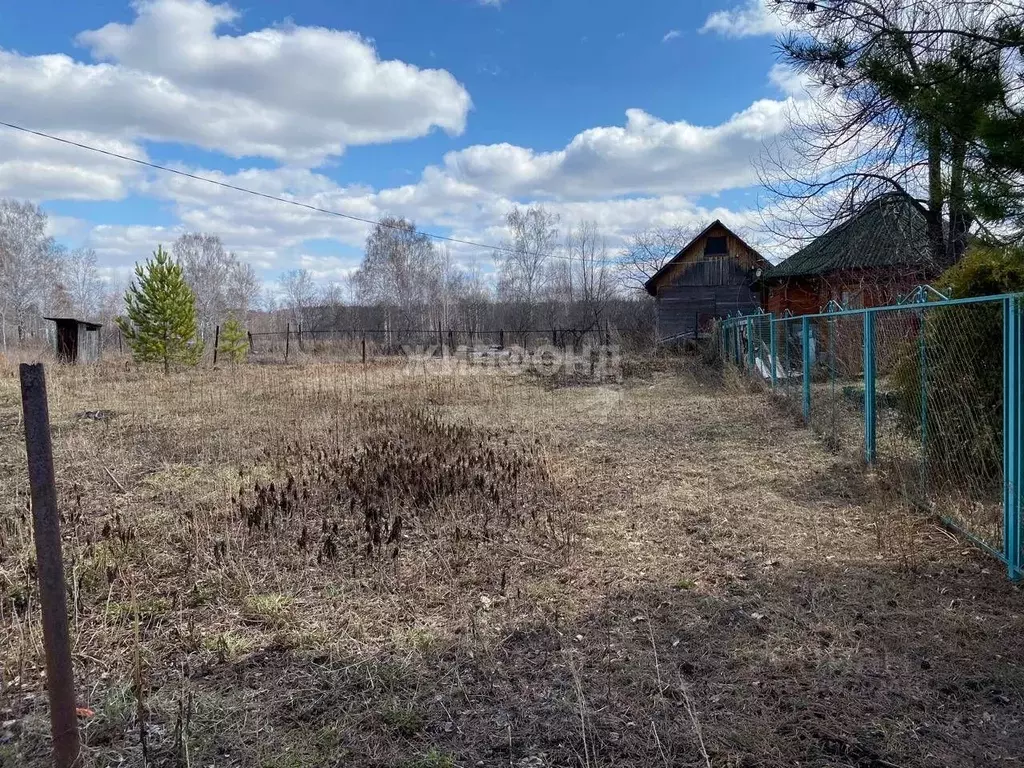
(870,260)
(711,277)
(77,341)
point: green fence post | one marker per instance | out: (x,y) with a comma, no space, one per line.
(1011,436)
(805,338)
(922,364)
(736,342)
(869,387)
(785,351)
(772,351)
(750,344)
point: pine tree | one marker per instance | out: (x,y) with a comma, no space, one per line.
(234,341)
(160,323)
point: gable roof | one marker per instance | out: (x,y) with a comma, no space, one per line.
(889,231)
(650,285)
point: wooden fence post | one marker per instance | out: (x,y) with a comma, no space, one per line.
(60,681)
(300,336)
(287,340)
(364,349)
(249,334)
(501,338)
(216,343)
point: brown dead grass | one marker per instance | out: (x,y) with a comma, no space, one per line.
(721,590)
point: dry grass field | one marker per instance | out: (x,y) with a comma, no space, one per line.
(331,565)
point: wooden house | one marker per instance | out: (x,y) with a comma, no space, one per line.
(711,277)
(870,260)
(77,341)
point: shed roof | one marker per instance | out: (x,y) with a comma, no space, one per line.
(651,285)
(87,323)
(889,231)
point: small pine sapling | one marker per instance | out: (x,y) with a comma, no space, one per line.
(160,323)
(234,341)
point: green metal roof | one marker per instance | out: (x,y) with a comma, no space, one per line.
(890,231)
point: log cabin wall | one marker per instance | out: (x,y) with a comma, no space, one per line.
(853,289)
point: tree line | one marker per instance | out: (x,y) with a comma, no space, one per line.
(540,277)
(39,277)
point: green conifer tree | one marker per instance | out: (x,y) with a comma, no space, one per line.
(234,341)
(160,324)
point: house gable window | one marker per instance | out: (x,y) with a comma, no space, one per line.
(716,246)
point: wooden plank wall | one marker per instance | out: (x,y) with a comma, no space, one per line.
(705,290)
(88,344)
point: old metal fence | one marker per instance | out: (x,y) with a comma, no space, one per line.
(927,392)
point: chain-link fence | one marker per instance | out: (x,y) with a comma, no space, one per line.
(292,344)
(926,393)
(352,345)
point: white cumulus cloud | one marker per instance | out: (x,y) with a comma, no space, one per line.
(645,155)
(273,235)
(181,71)
(37,168)
(790,81)
(294,93)
(747,20)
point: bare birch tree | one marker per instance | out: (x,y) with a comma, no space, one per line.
(80,278)
(242,289)
(28,268)
(590,281)
(219,280)
(450,286)
(206,265)
(398,274)
(300,296)
(649,250)
(534,236)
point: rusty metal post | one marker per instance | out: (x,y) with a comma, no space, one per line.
(216,343)
(60,681)
(287,340)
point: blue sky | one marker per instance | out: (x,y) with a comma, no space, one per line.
(444,111)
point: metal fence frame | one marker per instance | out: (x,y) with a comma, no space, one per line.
(742,342)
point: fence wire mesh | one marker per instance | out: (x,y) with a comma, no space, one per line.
(916,390)
(352,345)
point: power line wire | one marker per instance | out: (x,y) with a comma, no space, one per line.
(256,193)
